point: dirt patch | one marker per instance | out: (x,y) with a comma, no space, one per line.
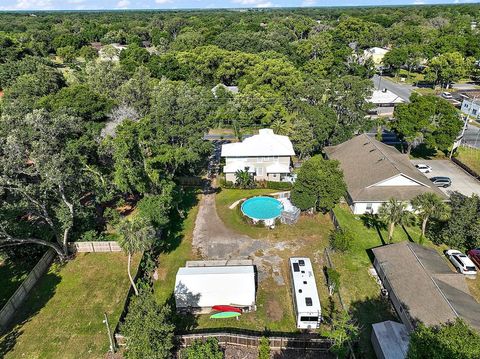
(274,310)
(161,273)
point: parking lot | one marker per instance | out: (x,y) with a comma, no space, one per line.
(461,181)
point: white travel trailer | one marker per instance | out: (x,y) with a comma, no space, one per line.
(305,295)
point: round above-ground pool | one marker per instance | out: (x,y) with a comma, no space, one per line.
(262,208)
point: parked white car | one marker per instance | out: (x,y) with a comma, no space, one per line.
(447,95)
(463,264)
(423,168)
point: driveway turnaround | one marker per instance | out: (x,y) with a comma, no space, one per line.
(461,180)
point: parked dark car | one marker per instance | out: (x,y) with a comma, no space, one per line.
(474,255)
(441,181)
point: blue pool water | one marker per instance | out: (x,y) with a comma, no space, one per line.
(262,208)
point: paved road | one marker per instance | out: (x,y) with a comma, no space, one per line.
(461,180)
(465,86)
(402,90)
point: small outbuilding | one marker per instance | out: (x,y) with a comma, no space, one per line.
(390,340)
(202,284)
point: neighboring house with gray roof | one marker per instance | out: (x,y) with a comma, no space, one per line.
(422,287)
(375,172)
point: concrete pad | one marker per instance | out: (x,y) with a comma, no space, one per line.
(461,180)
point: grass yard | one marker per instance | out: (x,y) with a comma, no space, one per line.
(274,302)
(470,157)
(13,273)
(358,289)
(62,318)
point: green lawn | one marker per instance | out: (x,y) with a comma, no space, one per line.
(62,318)
(13,273)
(359,290)
(470,157)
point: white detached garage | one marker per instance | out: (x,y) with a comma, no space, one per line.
(198,288)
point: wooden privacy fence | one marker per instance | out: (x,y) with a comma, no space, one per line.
(79,247)
(16,300)
(334,219)
(308,342)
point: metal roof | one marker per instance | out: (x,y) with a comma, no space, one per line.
(217,285)
(266,143)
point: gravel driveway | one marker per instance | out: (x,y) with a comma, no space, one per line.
(214,240)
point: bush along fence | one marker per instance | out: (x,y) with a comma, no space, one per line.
(334,220)
(80,247)
(330,268)
(16,300)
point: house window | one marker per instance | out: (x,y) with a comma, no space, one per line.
(259,171)
(474,112)
(369,207)
(275,158)
(266,159)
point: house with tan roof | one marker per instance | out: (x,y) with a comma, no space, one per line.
(422,287)
(375,172)
(266,156)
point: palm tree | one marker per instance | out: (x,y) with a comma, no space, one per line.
(136,236)
(392,213)
(243,178)
(429,205)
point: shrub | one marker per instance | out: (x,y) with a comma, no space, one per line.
(203,350)
(226,184)
(148,331)
(283,186)
(92,236)
(112,216)
(333,278)
(264,348)
(341,240)
(155,208)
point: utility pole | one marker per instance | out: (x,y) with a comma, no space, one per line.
(110,338)
(465,125)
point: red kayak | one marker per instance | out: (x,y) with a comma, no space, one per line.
(226,308)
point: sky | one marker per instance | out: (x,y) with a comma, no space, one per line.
(201,4)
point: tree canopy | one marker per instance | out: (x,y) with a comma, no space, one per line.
(451,340)
(319,185)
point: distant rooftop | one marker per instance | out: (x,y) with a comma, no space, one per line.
(384,96)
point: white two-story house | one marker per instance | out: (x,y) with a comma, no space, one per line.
(266,156)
